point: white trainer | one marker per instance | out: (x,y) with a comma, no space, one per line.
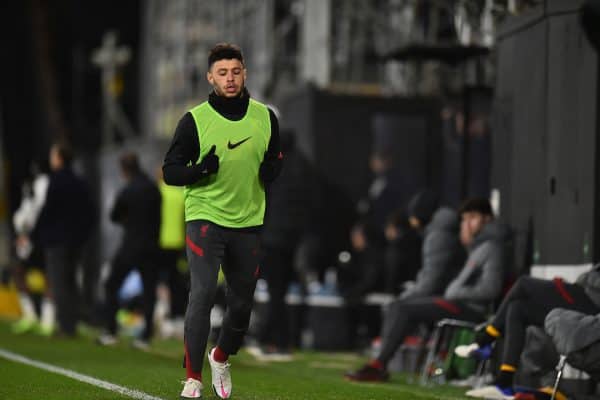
(192,389)
(221,377)
(466,350)
(106,339)
(140,344)
(492,392)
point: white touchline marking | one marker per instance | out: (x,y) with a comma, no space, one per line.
(136,394)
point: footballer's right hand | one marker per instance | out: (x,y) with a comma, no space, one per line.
(210,162)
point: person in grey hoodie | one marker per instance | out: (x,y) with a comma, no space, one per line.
(442,256)
(527,303)
(576,335)
(467,297)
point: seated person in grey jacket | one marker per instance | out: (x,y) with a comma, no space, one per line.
(467,297)
(528,303)
(441,254)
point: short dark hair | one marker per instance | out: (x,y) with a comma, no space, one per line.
(64,150)
(224,51)
(477,204)
(129,163)
(423,205)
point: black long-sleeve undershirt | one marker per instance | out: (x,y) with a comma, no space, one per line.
(180,168)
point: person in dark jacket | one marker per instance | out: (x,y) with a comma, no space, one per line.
(402,256)
(64,224)
(404,234)
(528,302)
(385,193)
(290,204)
(365,270)
(172,245)
(137,210)
(467,297)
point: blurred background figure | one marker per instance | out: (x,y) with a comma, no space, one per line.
(308,259)
(29,277)
(173,275)
(467,297)
(290,210)
(404,234)
(388,260)
(385,194)
(64,224)
(137,208)
(402,252)
(363,271)
(441,252)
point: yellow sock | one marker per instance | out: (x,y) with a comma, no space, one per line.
(507,368)
(493,332)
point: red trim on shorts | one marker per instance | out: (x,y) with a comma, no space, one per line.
(195,248)
(562,290)
(446,305)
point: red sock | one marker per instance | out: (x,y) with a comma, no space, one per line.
(188,367)
(219,355)
(376,364)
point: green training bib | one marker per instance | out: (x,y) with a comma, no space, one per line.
(234,197)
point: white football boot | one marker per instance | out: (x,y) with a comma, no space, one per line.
(221,377)
(192,389)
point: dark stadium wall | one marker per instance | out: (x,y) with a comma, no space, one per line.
(338,132)
(19,96)
(47,64)
(546,136)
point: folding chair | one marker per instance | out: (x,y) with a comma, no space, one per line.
(559,371)
(429,369)
(580,370)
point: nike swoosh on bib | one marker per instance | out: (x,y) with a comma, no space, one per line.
(234,145)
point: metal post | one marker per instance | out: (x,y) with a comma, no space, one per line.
(316,24)
(425,372)
(109,58)
(559,368)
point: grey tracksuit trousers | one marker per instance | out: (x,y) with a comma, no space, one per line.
(236,251)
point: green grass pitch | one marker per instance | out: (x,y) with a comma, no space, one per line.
(312,375)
